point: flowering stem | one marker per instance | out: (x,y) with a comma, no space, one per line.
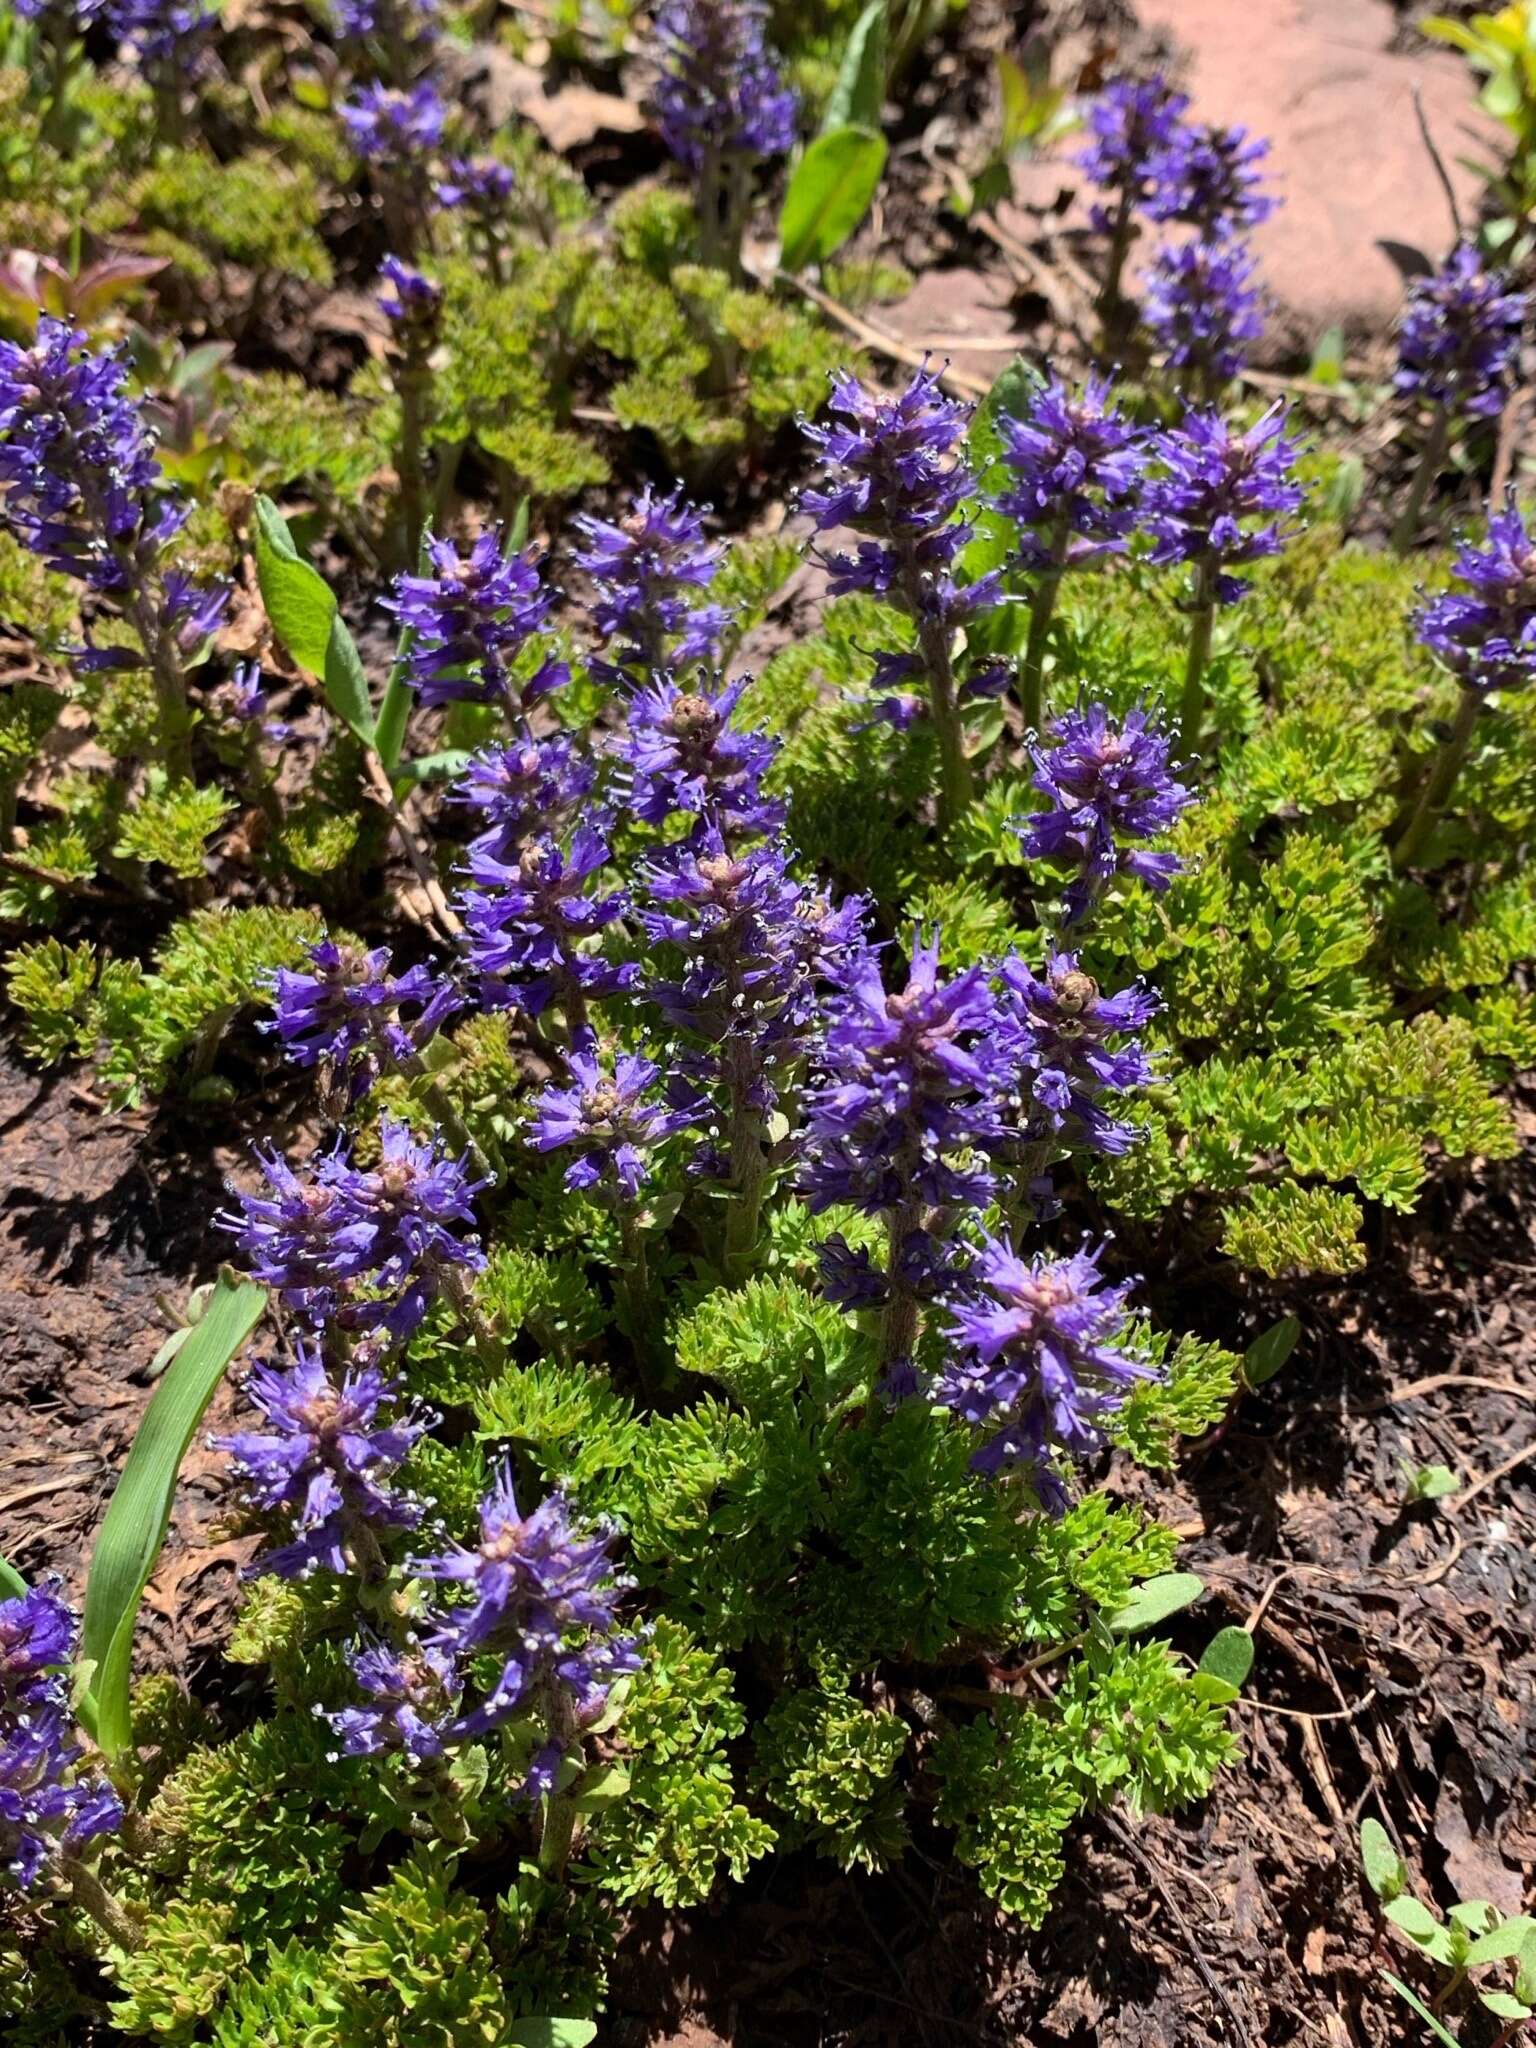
(558,1830)
(1041,611)
(489,1348)
(1111,306)
(1202,625)
(160,649)
(635,1294)
(933,640)
(749,1168)
(1430,463)
(1439,783)
(413,387)
(108,1911)
(898,1326)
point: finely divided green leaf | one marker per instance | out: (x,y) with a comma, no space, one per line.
(139,1512)
(829,193)
(858,98)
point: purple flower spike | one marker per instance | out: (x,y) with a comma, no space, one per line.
(389,125)
(321,1462)
(1130,123)
(471,618)
(37,1638)
(1461,329)
(1219,497)
(1207,177)
(1039,1356)
(1486,634)
(168,36)
(542,1598)
(683,754)
(1075,1045)
(322,1238)
(1109,783)
(527,790)
(613,1122)
(1202,305)
(719,92)
(651,570)
(416,302)
(344,1008)
(1076,466)
(43,1807)
(410,24)
(410,1694)
(910,1089)
(480,184)
(527,920)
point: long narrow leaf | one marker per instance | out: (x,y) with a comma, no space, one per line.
(139,1512)
(304,614)
(858,98)
(12,1584)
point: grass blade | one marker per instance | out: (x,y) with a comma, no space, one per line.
(12,1584)
(139,1513)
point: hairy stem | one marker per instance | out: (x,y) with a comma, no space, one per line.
(557,1834)
(413,386)
(1431,461)
(1111,301)
(488,1347)
(749,1165)
(898,1325)
(107,1910)
(943,697)
(1041,611)
(1202,624)
(1439,783)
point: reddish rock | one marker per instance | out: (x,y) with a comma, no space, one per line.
(1362,200)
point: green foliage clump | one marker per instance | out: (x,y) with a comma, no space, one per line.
(170,825)
(830,1764)
(256,211)
(179,1975)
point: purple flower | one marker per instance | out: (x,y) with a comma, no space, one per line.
(37,1637)
(166,34)
(541,1597)
(1205,176)
(683,754)
(321,1238)
(1202,305)
(908,1090)
(321,1462)
(719,92)
(1076,467)
(613,1122)
(752,945)
(528,789)
(482,184)
(411,1694)
(1486,634)
(925,1267)
(1039,1357)
(417,303)
(650,571)
(1461,328)
(344,1008)
(1075,1045)
(527,920)
(470,620)
(43,1807)
(412,24)
(246,697)
(388,124)
(81,486)
(1129,124)
(1109,783)
(1219,497)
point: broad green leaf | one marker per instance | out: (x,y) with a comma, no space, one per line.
(304,615)
(1013,392)
(133,1529)
(602,1788)
(1441,2033)
(1032,106)
(12,1584)
(1444,30)
(1265,1355)
(858,98)
(1429,1482)
(542,2033)
(1229,1656)
(430,767)
(1155,1600)
(395,706)
(829,194)
(1385,1871)
(1327,366)
(1501,1942)
(1412,1917)
(1504,2005)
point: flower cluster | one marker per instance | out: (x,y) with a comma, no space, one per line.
(528,921)
(1203,307)
(1037,1360)
(410,300)
(46,1806)
(1130,124)
(681,753)
(480,184)
(1206,176)
(1075,1045)
(651,570)
(321,1464)
(611,1122)
(470,620)
(1111,788)
(1486,633)
(1076,466)
(719,92)
(527,789)
(393,125)
(1460,331)
(1219,496)
(361,1248)
(169,37)
(344,1008)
